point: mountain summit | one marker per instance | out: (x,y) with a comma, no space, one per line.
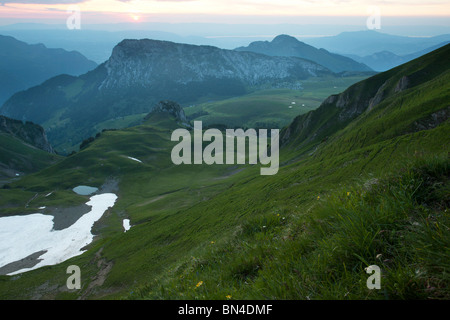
(288,46)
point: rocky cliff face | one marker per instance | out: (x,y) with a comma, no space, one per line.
(149,62)
(28,132)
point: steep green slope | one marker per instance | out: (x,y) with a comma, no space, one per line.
(371,194)
(214,231)
(410,81)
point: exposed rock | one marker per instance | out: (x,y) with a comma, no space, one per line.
(433,120)
(402,84)
(28,132)
(379,96)
(147,62)
(170,107)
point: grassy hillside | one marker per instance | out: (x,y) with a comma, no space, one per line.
(367,195)
(361,183)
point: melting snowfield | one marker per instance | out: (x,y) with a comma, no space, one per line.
(21,236)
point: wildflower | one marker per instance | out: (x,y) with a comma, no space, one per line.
(199,284)
(348,193)
(228,296)
(318,197)
(212,242)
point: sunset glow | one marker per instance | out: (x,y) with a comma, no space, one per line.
(154,10)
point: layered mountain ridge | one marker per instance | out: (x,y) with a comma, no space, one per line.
(141,73)
(23,65)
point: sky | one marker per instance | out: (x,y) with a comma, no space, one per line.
(430,12)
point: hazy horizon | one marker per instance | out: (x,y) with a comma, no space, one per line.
(101,24)
(407,18)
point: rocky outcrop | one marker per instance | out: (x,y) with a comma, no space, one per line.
(402,84)
(170,107)
(28,132)
(432,121)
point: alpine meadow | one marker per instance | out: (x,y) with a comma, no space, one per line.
(208,163)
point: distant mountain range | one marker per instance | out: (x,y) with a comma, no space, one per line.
(140,73)
(385,60)
(287,46)
(363,43)
(23,66)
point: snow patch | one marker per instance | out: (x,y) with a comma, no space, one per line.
(21,236)
(134,159)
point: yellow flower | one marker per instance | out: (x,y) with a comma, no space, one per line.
(348,193)
(199,284)
(318,197)
(228,296)
(212,242)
